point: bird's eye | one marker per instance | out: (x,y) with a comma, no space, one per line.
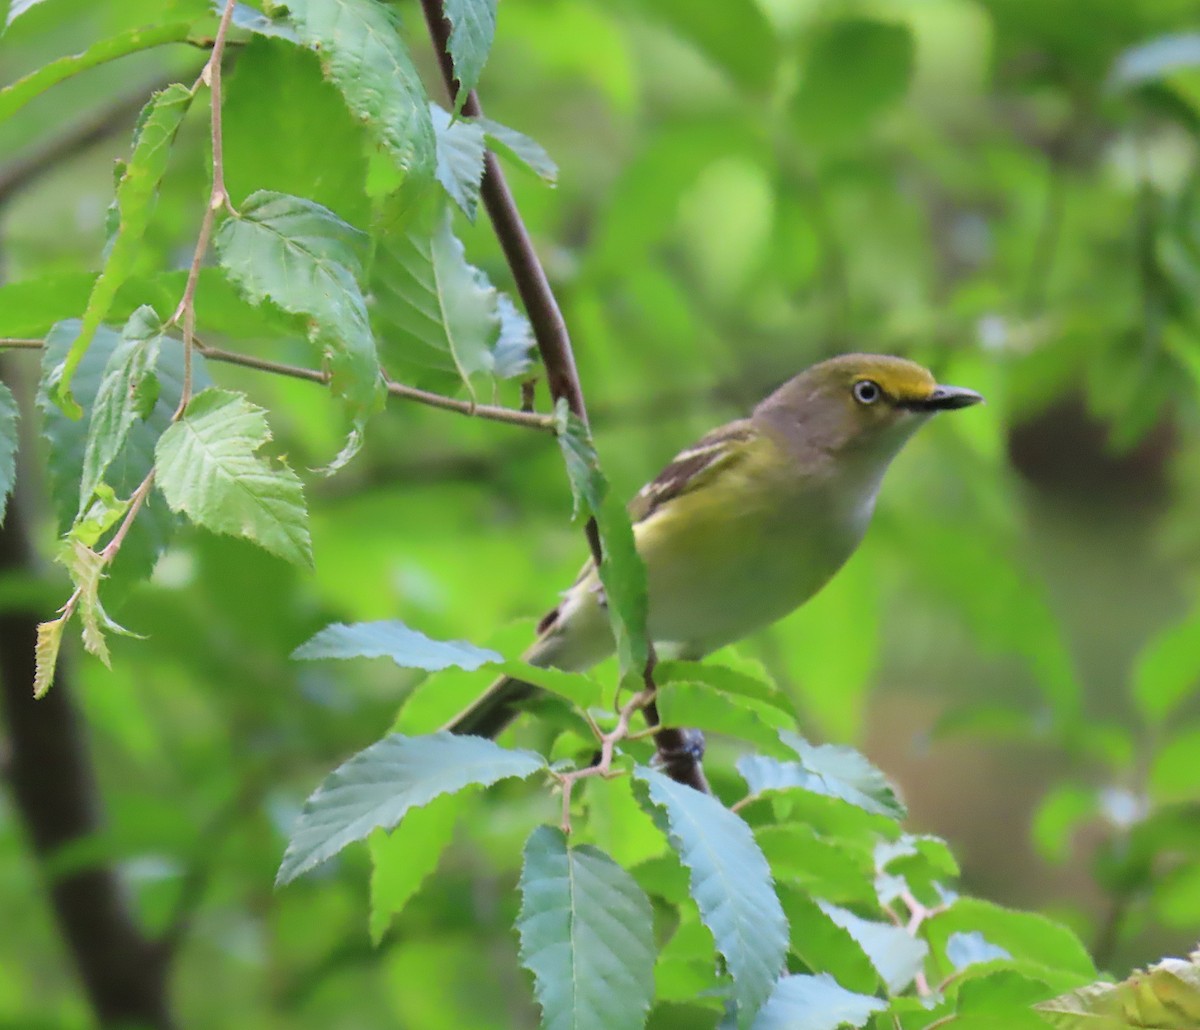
(866,391)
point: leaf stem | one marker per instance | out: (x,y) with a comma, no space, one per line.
(135,505)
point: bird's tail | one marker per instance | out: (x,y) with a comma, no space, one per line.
(493,710)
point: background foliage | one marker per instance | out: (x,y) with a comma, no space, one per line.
(1003,189)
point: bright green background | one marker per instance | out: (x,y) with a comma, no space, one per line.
(744,188)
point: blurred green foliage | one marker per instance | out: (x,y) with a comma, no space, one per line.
(1006,190)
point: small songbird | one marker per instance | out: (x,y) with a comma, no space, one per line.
(749,523)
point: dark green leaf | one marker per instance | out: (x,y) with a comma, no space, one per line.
(731,884)
(8,446)
(208,468)
(159,122)
(587,935)
(360,48)
(472,26)
(380,784)
(815,1003)
(407,647)
(128,393)
(724,679)
(824,945)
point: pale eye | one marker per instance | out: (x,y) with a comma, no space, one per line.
(866,391)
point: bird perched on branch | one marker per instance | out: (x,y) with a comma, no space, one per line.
(747,524)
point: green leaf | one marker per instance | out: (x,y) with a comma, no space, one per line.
(828,769)
(856,69)
(472,26)
(8,446)
(128,392)
(359,45)
(730,882)
(433,308)
(16,96)
(67,441)
(896,956)
(725,679)
(1001,999)
(703,707)
(157,125)
(1167,669)
(827,868)
(621,571)
(208,468)
(1026,936)
(513,354)
(402,859)
(380,784)
(587,935)
(248,19)
(524,148)
(819,1002)
(734,34)
(459,158)
(308,261)
(1165,996)
(407,647)
(825,946)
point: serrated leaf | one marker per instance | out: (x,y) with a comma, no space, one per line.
(524,148)
(587,935)
(829,868)
(128,391)
(380,784)
(513,352)
(460,153)
(472,27)
(621,573)
(825,946)
(87,569)
(209,469)
(49,639)
(136,191)
(309,262)
(801,1002)
(834,771)
(731,883)
(433,308)
(18,94)
(8,447)
(1166,996)
(67,440)
(408,648)
(359,45)
(725,679)
(703,707)
(896,955)
(402,859)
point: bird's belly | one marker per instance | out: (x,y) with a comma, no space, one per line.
(724,577)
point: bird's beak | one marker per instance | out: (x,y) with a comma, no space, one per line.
(945,398)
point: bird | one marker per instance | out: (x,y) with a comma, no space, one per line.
(746,525)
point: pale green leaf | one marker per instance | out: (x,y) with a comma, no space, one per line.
(309,262)
(969,949)
(1167,670)
(524,148)
(250,20)
(402,859)
(513,352)
(359,45)
(8,446)
(49,639)
(460,152)
(802,1002)
(896,956)
(380,784)
(1166,996)
(135,196)
(587,935)
(731,883)
(472,26)
(209,469)
(408,648)
(128,392)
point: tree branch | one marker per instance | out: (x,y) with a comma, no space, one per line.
(679,751)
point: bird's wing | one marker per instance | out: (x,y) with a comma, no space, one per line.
(688,470)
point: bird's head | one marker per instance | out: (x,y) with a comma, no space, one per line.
(864,405)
